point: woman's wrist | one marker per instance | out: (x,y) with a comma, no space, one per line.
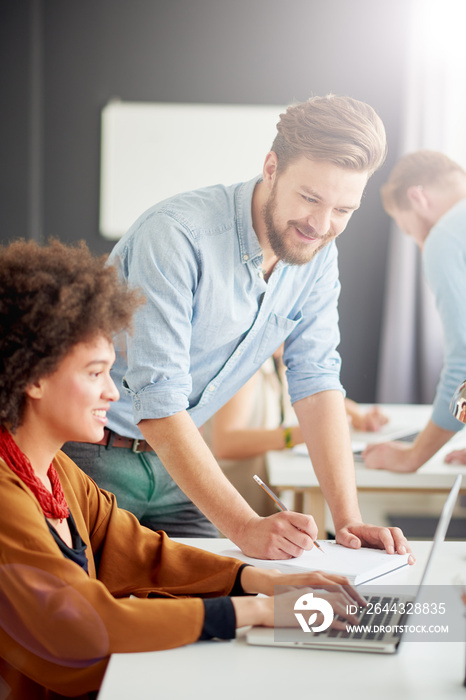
(255,580)
(288,438)
(251,611)
(292,436)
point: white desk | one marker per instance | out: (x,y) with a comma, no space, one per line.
(234,670)
(289,470)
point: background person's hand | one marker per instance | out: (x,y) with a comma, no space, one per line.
(456,457)
(369,421)
(392,456)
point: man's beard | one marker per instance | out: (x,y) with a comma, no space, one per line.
(299,253)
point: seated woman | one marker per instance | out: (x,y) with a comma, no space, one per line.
(80,578)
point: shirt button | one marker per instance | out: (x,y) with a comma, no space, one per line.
(246,257)
(211,388)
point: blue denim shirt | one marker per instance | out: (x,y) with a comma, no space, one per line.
(444,260)
(211,320)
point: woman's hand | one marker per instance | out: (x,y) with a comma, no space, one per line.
(278,610)
(369,421)
(258,580)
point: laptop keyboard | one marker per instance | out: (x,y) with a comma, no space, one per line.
(380,611)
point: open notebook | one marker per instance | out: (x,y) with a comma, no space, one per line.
(358,565)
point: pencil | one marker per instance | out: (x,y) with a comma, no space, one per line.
(279,503)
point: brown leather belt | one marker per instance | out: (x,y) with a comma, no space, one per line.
(111,439)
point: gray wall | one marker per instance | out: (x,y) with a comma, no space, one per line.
(61,60)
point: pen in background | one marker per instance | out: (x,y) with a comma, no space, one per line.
(279,503)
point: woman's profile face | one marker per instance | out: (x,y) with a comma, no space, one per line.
(72,403)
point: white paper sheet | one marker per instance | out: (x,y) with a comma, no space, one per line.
(359,565)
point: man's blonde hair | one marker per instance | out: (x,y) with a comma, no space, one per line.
(339,130)
(414,169)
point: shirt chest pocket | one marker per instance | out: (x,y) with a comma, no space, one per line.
(275,332)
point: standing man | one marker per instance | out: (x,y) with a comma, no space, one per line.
(230,273)
(426,196)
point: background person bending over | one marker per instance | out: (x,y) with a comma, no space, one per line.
(426,196)
(230,273)
(70,558)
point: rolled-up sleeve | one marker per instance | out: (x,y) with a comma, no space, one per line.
(313,362)
(162,259)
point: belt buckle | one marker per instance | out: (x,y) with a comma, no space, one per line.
(135,446)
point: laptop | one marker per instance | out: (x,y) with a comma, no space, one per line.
(390,604)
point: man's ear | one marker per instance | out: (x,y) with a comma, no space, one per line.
(419,199)
(269,171)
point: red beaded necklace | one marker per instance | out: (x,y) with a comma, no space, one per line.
(53,504)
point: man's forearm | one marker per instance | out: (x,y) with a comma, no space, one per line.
(187,458)
(427,443)
(324,425)
(185,455)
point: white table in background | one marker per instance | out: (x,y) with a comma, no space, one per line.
(235,670)
(292,471)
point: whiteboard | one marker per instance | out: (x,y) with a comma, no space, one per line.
(151,151)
